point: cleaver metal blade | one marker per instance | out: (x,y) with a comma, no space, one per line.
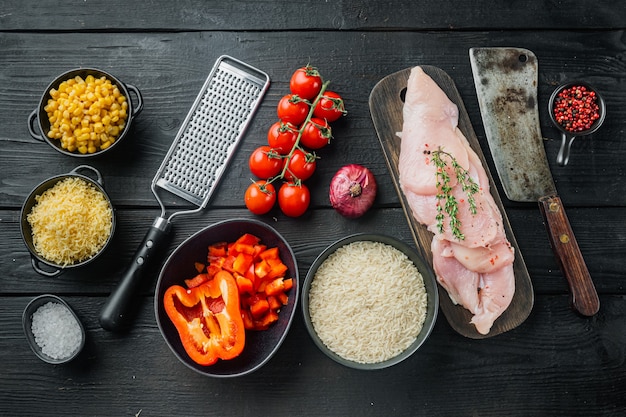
(506,85)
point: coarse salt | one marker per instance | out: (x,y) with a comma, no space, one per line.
(56,330)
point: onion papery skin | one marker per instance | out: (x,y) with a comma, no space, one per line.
(352,190)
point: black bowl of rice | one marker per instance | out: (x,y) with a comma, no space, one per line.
(67,221)
(369,301)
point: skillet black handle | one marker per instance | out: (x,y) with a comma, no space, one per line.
(115,314)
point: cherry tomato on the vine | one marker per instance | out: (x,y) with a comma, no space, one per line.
(292,109)
(294,199)
(260,197)
(282,136)
(301,165)
(316,133)
(306,82)
(265,163)
(330,106)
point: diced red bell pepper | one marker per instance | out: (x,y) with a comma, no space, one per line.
(212,270)
(242,262)
(238,248)
(274,287)
(197,280)
(259,275)
(274,302)
(229,261)
(248,239)
(271,253)
(244,284)
(258,249)
(246,316)
(265,322)
(278,268)
(283,298)
(217,250)
(200,267)
(259,308)
(262,269)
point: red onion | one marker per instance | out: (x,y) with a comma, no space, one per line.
(352,190)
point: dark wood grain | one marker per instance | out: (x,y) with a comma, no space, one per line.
(302,15)
(555,363)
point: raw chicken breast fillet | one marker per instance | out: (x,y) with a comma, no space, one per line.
(476,271)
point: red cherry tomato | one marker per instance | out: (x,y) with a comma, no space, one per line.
(282,136)
(260,197)
(265,163)
(301,165)
(316,134)
(293,199)
(292,109)
(306,82)
(330,106)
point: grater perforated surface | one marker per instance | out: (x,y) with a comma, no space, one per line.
(212,130)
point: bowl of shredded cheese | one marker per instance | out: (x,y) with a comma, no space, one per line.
(369,301)
(85,112)
(67,221)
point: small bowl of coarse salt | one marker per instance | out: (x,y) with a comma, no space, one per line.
(53,330)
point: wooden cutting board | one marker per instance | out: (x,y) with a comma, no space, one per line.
(386,102)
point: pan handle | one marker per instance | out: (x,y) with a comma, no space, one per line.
(584,296)
(116,312)
(31,129)
(50,274)
(137,108)
(562,157)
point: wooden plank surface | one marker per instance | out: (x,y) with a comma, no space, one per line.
(553,364)
(191,15)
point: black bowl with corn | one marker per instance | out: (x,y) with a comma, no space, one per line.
(85,112)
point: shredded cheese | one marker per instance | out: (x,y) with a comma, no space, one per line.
(70,222)
(367,302)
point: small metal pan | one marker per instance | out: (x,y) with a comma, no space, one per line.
(40,116)
(40,264)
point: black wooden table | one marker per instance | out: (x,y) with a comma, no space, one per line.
(555,363)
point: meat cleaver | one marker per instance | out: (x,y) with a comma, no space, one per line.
(506,85)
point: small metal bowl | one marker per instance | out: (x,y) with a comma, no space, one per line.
(27,321)
(430,285)
(43,123)
(260,346)
(567,137)
(52,269)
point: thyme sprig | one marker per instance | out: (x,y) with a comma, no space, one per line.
(448,203)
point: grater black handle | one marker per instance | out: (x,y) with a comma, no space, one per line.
(117,310)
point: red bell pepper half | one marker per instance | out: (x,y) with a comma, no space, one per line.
(208,318)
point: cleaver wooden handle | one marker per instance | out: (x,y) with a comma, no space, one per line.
(584,296)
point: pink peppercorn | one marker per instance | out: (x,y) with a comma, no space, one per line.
(576,108)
